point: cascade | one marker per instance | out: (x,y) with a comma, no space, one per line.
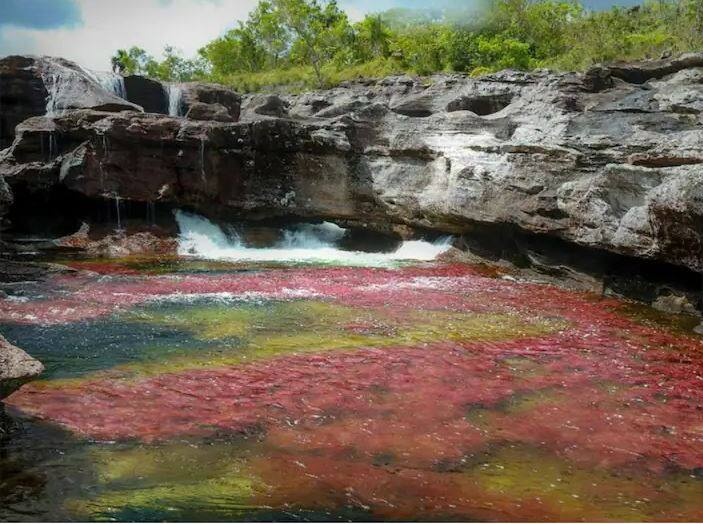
(202,159)
(174,94)
(53,84)
(119,218)
(112,82)
(53,149)
(151,213)
(304,243)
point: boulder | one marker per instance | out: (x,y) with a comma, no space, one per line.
(150,94)
(215,112)
(16,368)
(224,103)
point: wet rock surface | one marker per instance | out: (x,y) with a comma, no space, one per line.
(608,160)
(16,368)
(33,86)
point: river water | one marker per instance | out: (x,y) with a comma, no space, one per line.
(299,382)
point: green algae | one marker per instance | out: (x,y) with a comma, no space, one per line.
(246,332)
(176,476)
(681,324)
(569,492)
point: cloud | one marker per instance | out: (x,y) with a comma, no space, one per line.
(109,25)
(40,14)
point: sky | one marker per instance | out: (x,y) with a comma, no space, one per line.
(89,31)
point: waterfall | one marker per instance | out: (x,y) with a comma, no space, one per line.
(151,213)
(305,243)
(53,149)
(58,78)
(54,84)
(174,93)
(112,82)
(119,218)
(202,159)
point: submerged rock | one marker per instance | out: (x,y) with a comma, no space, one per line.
(16,368)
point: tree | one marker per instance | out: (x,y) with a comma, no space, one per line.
(134,61)
(120,61)
(372,38)
(319,31)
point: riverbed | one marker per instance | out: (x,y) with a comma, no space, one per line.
(388,388)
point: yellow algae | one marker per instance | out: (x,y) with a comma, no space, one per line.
(173,475)
(243,333)
(529,401)
(521,402)
(527,475)
(313,326)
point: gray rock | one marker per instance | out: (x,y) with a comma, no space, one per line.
(16,368)
(255,106)
(640,72)
(225,104)
(586,159)
(215,112)
(33,86)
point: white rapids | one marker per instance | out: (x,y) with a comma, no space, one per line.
(307,243)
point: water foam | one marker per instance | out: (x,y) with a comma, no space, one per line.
(111,82)
(308,243)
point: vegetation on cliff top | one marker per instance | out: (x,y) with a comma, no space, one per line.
(299,44)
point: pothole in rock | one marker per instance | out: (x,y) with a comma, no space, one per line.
(482,105)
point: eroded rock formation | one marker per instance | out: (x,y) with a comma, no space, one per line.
(609,160)
(16,368)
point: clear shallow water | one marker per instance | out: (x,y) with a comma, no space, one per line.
(192,390)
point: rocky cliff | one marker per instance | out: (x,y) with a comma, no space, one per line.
(605,162)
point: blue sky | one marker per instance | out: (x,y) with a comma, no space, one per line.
(88,31)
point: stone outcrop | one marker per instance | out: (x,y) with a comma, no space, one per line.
(146,93)
(609,160)
(119,244)
(202,101)
(16,368)
(33,86)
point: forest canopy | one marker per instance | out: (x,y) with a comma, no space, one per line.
(298,44)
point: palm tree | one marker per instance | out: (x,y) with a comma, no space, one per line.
(120,61)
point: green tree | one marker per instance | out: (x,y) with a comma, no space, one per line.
(134,61)
(372,38)
(319,31)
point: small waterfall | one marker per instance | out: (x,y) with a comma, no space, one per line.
(174,93)
(316,243)
(53,148)
(202,159)
(103,158)
(112,82)
(54,84)
(151,213)
(48,145)
(119,217)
